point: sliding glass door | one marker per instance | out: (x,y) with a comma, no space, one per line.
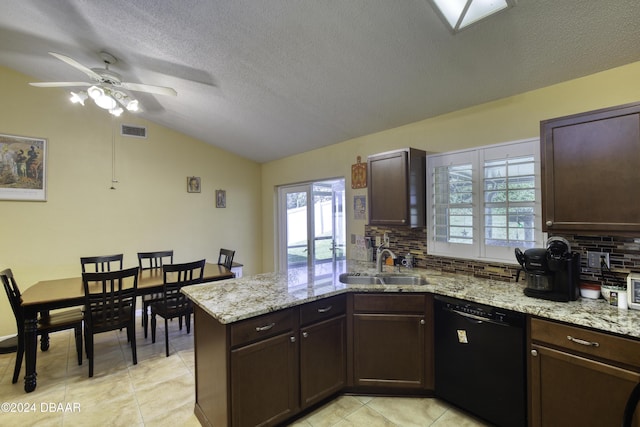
(311,226)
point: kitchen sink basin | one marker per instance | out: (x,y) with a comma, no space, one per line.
(382,279)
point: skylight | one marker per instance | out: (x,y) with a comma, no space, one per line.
(462,13)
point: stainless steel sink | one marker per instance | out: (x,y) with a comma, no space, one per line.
(351,279)
(402,279)
(382,279)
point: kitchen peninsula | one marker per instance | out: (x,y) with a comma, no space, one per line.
(254,331)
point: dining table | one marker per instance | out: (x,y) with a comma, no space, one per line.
(47,295)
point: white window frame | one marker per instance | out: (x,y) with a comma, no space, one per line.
(477,157)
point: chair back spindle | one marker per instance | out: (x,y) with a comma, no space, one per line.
(226,258)
(101,264)
(152,260)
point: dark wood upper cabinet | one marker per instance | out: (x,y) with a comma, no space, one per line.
(396,187)
(590,171)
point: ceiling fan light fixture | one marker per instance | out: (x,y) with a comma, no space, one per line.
(106,91)
(117,111)
(106,102)
(95,92)
(133,105)
(78,97)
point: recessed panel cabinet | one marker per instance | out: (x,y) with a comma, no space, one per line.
(264,370)
(590,173)
(323,354)
(579,377)
(396,188)
(322,360)
(264,390)
(392,341)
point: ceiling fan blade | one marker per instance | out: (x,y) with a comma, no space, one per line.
(75,64)
(60,84)
(160,90)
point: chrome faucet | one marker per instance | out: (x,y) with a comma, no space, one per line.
(381,250)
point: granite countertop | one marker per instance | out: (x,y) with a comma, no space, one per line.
(232,300)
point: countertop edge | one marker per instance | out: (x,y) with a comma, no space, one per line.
(232,300)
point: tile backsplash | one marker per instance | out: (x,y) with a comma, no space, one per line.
(624,255)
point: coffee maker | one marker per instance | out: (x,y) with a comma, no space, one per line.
(551,273)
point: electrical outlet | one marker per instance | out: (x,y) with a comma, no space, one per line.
(378,241)
(593,259)
(386,240)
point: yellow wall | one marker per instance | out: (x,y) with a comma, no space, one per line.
(509,119)
(149,210)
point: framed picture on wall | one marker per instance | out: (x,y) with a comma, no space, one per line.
(193,184)
(359,207)
(23,168)
(221,199)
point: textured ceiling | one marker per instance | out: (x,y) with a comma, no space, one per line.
(268,79)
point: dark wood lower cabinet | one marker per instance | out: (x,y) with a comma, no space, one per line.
(392,340)
(264,370)
(264,389)
(569,390)
(579,377)
(389,350)
(322,360)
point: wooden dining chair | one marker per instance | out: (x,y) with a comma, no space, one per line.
(101,263)
(174,303)
(226,257)
(110,304)
(69,319)
(152,261)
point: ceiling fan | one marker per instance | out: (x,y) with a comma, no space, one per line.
(106,86)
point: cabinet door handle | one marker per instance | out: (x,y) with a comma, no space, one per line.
(422,321)
(534,353)
(292,339)
(325,309)
(549,223)
(265,327)
(305,334)
(583,342)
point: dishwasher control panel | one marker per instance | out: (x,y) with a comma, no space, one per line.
(480,311)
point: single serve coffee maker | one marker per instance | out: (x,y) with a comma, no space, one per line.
(551,273)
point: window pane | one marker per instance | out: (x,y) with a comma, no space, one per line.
(509,195)
(452,204)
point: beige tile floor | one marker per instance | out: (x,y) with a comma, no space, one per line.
(159,390)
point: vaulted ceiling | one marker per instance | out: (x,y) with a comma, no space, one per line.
(269,79)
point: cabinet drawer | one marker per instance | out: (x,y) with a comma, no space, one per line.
(322,309)
(262,327)
(576,339)
(389,303)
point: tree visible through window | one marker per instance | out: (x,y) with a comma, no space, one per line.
(509,202)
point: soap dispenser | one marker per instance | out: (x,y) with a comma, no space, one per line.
(408,260)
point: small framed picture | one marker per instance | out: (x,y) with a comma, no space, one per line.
(193,184)
(633,290)
(221,199)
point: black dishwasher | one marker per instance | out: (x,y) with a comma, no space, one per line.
(480,360)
